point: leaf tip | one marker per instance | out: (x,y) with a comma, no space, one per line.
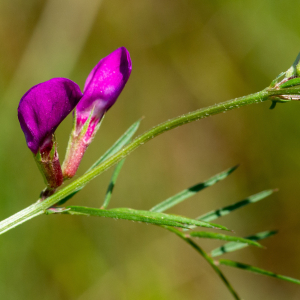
(232,169)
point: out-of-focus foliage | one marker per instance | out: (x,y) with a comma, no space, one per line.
(186,55)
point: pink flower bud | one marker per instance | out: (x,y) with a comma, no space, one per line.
(102,88)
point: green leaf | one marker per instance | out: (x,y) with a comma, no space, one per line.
(207,258)
(141,216)
(67,198)
(291,82)
(117,146)
(230,263)
(224,237)
(232,246)
(183,195)
(214,214)
(112,183)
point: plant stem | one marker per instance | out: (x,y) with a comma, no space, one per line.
(39,207)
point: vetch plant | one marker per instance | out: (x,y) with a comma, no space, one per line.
(45,105)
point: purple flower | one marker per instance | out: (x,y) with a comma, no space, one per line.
(43,108)
(102,88)
(40,111)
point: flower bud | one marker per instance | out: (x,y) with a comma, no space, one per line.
(102,88)
(40,112)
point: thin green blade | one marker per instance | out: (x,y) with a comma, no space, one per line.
(291,82)
(141,216)
(183,195)
(207,258)
(230,263)
(118,145)
(224,237)
(214,214)
(232,246)
(112,184)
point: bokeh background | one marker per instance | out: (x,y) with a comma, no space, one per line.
(186,54)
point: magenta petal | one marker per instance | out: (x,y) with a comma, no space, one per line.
(44,107)
(104,84)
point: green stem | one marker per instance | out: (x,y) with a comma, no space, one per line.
(39,207)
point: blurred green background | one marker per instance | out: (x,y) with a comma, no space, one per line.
(186,54)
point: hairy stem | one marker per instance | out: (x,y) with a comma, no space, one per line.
(39,207)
